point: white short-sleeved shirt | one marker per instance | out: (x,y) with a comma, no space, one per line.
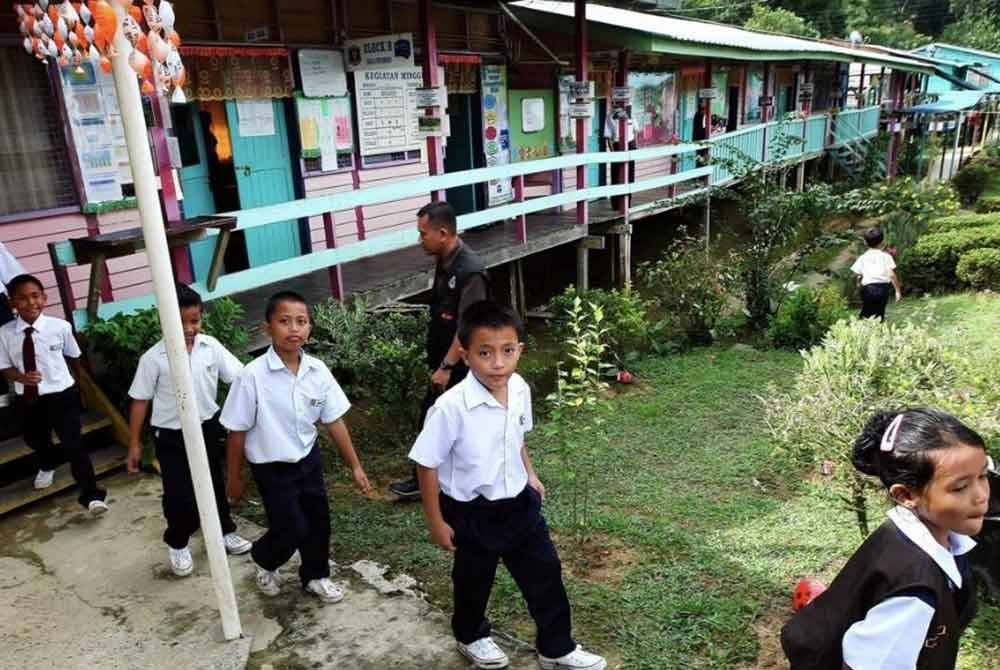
(279,410)
(893,632)
(475,443)
(210,362)
(9,268)
(54,342)
(875,267)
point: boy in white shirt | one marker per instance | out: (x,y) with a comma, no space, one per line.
(876,275)
(271,412)
(210,362)
(483,501)
(34,349)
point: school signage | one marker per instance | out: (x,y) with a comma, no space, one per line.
(496,132)
(382,52)
(387,110)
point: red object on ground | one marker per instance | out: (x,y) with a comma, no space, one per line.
(625,377)
(806,591)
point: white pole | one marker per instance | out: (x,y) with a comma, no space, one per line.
(141,160)
(958,137)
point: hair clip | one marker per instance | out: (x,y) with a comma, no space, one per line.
(889,437)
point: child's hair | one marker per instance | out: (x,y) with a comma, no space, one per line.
(487,314)
(440,215)
(187,296)
(20,280)
(894,446)
(280,297)
(874,237)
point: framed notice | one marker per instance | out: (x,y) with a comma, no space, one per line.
(380,53)
(93,119)
(322,73)
(496,130)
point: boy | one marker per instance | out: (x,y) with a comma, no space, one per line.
(483,500)
(34,348)
(271,413)
(210,361)
(876,274)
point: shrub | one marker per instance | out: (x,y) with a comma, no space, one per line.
(691,286)
(932,262)
(980,268)
(806,315)
(962,221)
(988,203)
(972,180)
(625,319)
(907,196)
(122,339)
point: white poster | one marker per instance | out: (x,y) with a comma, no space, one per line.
(256,117)
(496,131)
(383,52)
(387,111)
(322,73)
(94,132)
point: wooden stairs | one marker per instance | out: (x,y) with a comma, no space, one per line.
(105,437)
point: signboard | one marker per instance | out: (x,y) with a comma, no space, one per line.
(496,132)
(322,73)
(262,34)
(430,97)
(387,110)
(581,90)
(621,94)
(430,126)
(581,110)
(92,113)
(708,93)
(383,52)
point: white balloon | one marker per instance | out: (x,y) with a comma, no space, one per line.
(20,11)
(178,98)
(67,52)
(167,16)
(95,56)
(23,27)
(68,12)
(44,4)
(62,28)
(37,30)
(47,26)
(53,51)
(28,45)
(88,32)
(85,14)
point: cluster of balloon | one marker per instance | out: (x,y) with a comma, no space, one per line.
(71,32)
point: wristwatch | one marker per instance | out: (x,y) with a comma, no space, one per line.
(445,365)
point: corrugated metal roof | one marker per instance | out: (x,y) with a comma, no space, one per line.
(717,34)
(955,47)
(950,101)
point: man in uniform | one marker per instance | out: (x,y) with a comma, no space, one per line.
(460,279)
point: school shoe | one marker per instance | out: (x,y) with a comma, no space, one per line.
(325,590)
(180,561)
(97,507)
(408,489)
(578,659)
(236,544)
(268,582)
(43,479)
(484,653)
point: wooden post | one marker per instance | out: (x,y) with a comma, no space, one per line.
(435,155)
(582,74)
(517,294)
(621,169)
(625,255)
(958,136)
(335,273)
(861,87)
(522,221)
(582,265)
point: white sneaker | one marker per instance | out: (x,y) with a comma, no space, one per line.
(43,479)
(578,659)
(484,653)
(325,590)
(236,544)
(180,561)
(268,582)
(97,507)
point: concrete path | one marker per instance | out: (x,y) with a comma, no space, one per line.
(77,592)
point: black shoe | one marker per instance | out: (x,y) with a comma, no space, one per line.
(407,489)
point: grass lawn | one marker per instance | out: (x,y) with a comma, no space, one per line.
(697,535)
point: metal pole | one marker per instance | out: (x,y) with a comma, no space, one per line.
(582,72)
(435,154)
(958,136)
(141,160)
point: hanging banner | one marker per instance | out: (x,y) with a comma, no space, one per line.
(94,131)
(322,73)
(496,131)
(383,52)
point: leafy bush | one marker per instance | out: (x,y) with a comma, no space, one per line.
(962,222)
(120,341)
(980,268)
(988,203)
(378,356)
(972,180)
(932,262)
(625,319)
(691,286)
(805,316)
(904,195)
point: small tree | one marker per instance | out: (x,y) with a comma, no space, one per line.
(778,20)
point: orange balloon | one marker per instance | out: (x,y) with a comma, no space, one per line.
(58,39)
(147,87)
(181,78)
(106,64)
(54,13)
(142,44)
(147,72)
(175,39)
(81,36)
(136,14)
(105,23)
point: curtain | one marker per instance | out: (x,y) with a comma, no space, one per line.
(237,73)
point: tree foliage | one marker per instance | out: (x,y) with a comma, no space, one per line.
(778,20)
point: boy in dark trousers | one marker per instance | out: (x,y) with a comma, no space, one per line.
(210,362)
(876,274)
(483,500)
(271,412)
(34,349)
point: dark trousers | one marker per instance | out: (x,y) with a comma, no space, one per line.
(179,506)
(874,298)
(512,530)
(458,373)
(59,412)
(298,516)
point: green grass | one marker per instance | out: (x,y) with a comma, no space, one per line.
(696,535)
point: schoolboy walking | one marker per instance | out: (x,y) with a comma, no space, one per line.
(210,362)
(483,500)
(34,349)
(271,412)
(876,275)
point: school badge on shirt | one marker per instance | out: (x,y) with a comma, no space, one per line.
(451,282)
(317,402)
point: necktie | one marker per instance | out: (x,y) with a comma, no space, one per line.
(30,391)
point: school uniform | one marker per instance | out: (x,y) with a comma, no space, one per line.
(9,268)
(875,267)
(279,411)
(902,601)
(55,403)
(475,445)
(612,134)
(209,362)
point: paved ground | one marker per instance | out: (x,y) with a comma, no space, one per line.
(77,592)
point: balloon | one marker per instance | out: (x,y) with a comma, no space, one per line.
(53,13)
(88,32)
(138,61)
(69,14)
(28,45)
(47,27)
(135,13)
(167,16)
(106,64)
(158,48)
(37,29)
(58,39)
(94,56)
(142,44)
(81,36)
(180,78)
(43,4)
(20,11)
(53,51)
(147,87)
(175,39)
(178,98)
(22,26)
(152,17)
(131,30)
(105,23)
(62,28)
(74,40)
(85,14)
(806,591)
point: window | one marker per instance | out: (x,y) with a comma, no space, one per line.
(35,172)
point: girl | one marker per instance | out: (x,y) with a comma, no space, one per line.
(904,598)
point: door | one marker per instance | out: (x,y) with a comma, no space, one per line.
(196,178)
(460,152)
(263,166)
(733,122)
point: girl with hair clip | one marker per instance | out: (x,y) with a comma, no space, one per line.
(904,598)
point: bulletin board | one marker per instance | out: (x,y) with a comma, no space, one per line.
(325,131)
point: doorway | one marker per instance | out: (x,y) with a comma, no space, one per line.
(733,121)
(463,146)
